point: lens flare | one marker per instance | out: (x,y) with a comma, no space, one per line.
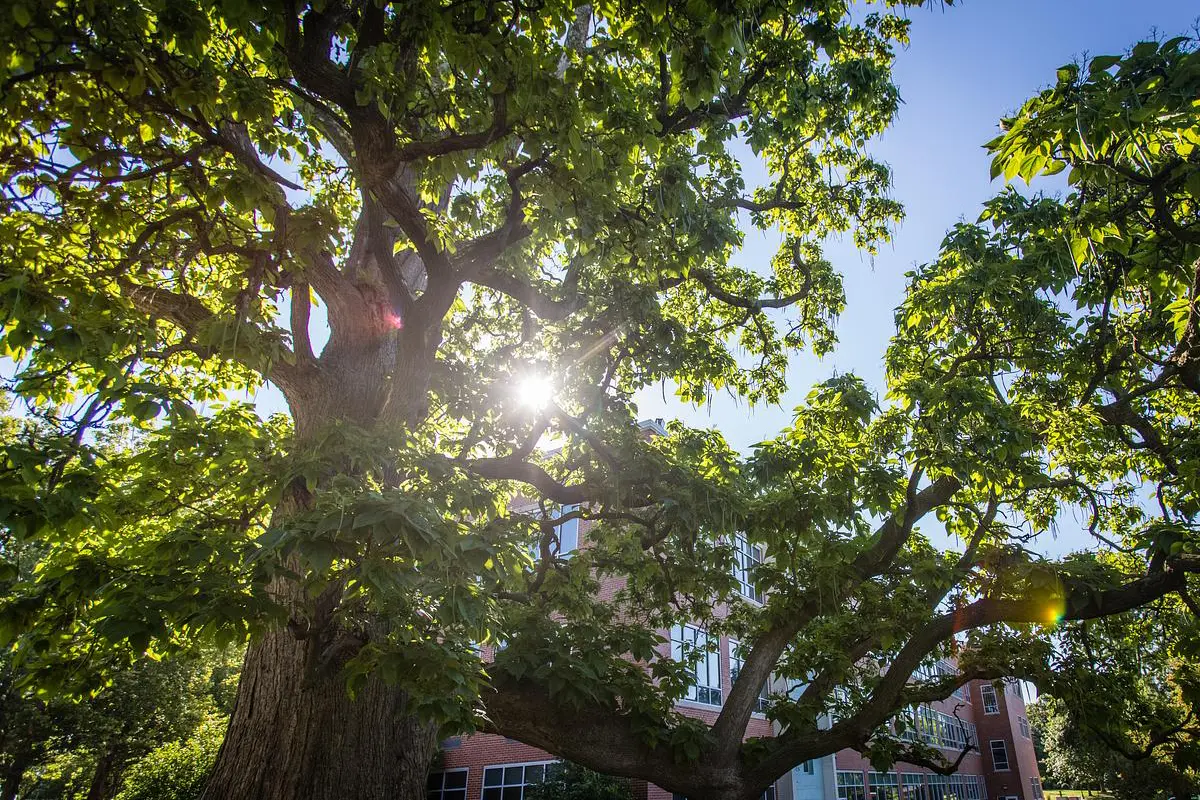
(535,392)
(1053,610)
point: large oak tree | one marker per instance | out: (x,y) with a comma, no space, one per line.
(478,195)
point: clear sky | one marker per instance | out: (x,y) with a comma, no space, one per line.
(967,66)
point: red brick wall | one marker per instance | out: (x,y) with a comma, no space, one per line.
(1005,726)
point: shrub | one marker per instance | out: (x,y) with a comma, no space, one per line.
(177,770)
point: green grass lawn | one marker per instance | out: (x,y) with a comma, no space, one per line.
(1055,794)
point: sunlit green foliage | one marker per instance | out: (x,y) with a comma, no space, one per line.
(177,770)
(472,195)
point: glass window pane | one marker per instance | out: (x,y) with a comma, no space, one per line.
(493,776)
(456,779)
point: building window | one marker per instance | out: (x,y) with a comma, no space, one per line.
(809,767)
(938,787)
(885,785)
(736,660)
(850,786)
(568,532)
(1023,724)
(691,645)
(1035,786)
(990,704)
(448,785)
(999,755)
(746,557)
(508,781)
(937,729)
(913,787)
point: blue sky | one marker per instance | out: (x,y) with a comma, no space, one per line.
(967,66)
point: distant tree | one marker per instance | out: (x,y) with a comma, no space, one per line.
(1065,760)
(28,728)
(81,749)
(567,781)
(1121,709)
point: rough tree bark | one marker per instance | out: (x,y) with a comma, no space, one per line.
(12,778)
(107,776)
(295,732)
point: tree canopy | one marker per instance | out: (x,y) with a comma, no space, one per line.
(477,195)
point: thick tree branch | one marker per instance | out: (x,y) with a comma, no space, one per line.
(764,655)
(892,690)
(716,291)
(459,142)
(542,305)
(301,305)
(190,315)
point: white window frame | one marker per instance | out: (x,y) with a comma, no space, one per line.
(1004,748)
(1035,785)
(746,557)
(886,781)
(705,687)
(503,771)
(441,791)
(855,781)
(991,703)
(912,786)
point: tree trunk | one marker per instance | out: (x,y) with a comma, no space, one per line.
(105,778)
(295,733)
(12,778)
(296,736)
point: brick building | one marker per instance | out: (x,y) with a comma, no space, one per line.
(1003,767)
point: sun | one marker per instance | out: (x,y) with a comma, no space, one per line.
(535,392)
